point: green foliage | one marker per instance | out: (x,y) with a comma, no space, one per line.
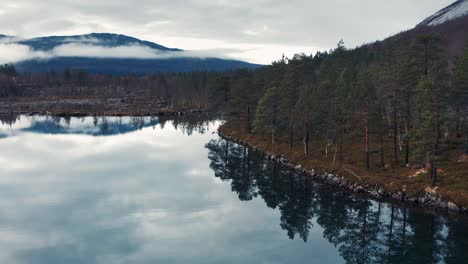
(364,89)
(459,93)
(267,111)
(424,121)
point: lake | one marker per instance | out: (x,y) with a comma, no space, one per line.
(148,190)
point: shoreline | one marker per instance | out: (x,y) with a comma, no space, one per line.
(428,201)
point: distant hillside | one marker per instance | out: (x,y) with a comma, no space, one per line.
(452,35)
(162,59)
(123,66)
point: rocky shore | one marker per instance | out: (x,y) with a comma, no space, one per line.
(430,200)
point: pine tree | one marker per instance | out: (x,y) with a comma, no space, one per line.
(266,115)
(240,101)
(458,96)
(424,122)
(364,93)
(390,73)
(307,111)
(407,81)
(343,106)
(418,59)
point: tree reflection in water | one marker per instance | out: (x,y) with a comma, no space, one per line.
(106,125)
(362,230)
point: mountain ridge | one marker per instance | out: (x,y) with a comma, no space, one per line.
(453,11)
(103,39)
(171,59)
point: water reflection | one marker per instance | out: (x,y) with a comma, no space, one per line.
(82,197)
(13,124)
(362,230)
(158,193)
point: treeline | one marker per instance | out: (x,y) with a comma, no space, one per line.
(178,89)
(8,70)
(407,93)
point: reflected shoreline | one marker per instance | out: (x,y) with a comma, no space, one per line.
(428,201)
(364,230)
(95,125)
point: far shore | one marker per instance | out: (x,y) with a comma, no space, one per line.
(78,106)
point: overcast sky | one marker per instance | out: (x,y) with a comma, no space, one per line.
(254,30)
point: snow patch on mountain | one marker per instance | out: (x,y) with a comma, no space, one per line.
(453,11)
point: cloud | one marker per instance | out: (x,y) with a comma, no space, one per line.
(132,51)
(264,23)
(16,52)
(13,53)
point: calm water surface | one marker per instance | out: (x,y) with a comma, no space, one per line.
(143,190)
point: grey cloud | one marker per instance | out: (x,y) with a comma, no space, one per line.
(313,23)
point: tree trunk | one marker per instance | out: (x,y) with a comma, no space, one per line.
(395,129)
(430,167)
(366,124)
(408,126)
(341,146)
(248,119)
(436,127)
(272,135)
(291,137)
(382,161)
(434,175)
(466,145)
(306,140)
(407,151)
(334,157)
(273,125)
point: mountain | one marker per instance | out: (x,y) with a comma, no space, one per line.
(99,39)
(114,54)
(453,11)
